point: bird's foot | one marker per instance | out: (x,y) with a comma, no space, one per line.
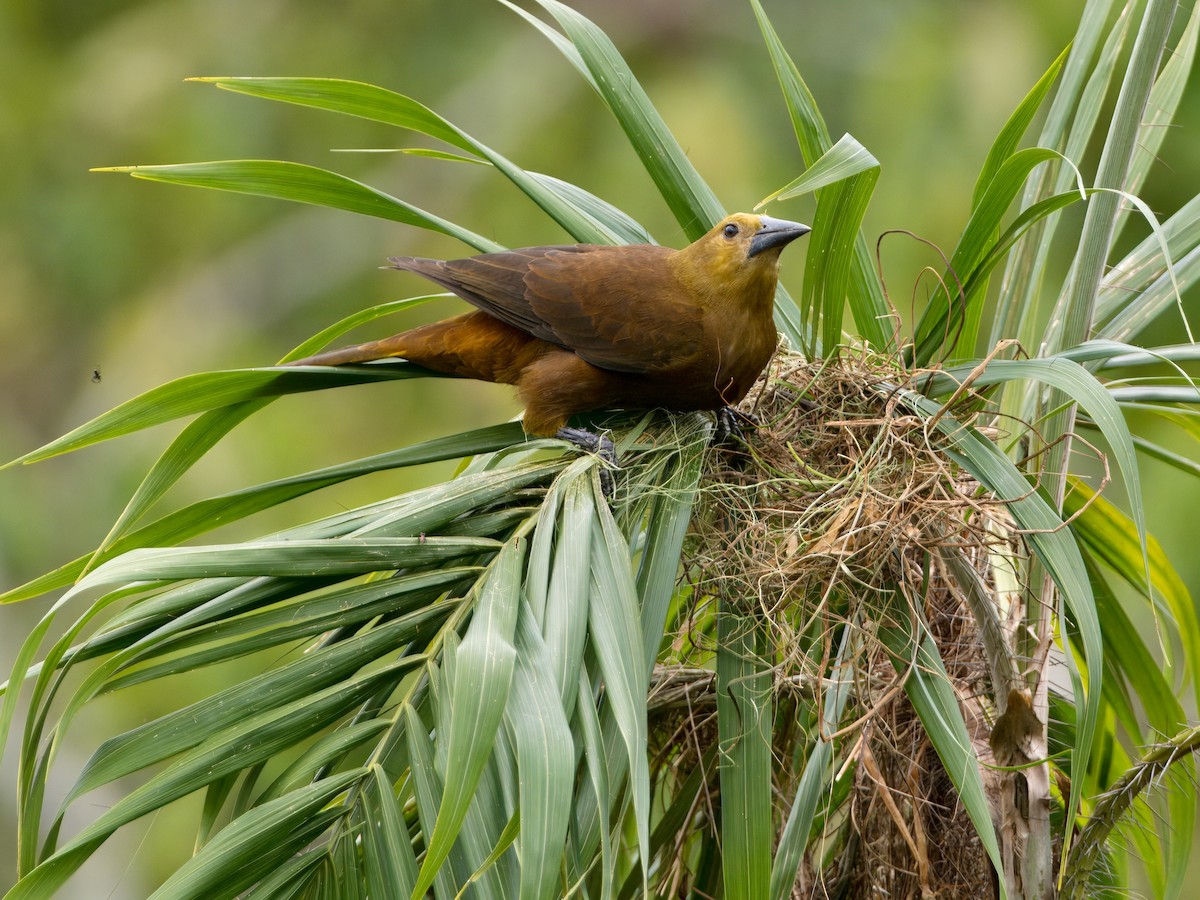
(730,426)
(599,444)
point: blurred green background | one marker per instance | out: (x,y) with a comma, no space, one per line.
(146,282)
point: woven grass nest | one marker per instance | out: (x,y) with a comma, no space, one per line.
(838,517)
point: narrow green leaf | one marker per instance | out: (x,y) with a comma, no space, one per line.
(976,241)
(1145,394)
(427,786)
(331,333)
(689,198)
(1160,713)
(346,867)
(1188,466)
(32,771)
(187,727)
(847,172)
(353,98)
(545,753)
(255,843)
(588,723)
(388,841)
(347,556)
(289,878)
(484,663)
(867,303)
(243,744)
(196,439)
(1145,267)
(816,780)
(564,624)
(21,664)
(1069,125)
(1136,314)
(1082,388)
(203,433)
(1057,551)
(929,689)
(979,594)
(542,544)
(658,570)
(205,515)
(328,750)
(287,558)
(488,823)
(281,180)
(1111,537)
(1029,219)
(423,152)
(609,222)
(560,42)
(489,809)
(193,394)
(230,607)
(744,717)
(1161,107)
(1078,300)
(1170,274)
(507,838)
(1016,126)
(214,800)
(812,134)
(1080,291)
(381,105)
(617,641)
(836,226)
(223,639)
(153,622)
(843,160)
(1001,150)
(235,505)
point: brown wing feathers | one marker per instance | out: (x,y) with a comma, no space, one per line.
(616,307)
(493,282)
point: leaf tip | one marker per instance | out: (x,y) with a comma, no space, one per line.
(23,460)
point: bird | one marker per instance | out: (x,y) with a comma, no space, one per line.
(583,327)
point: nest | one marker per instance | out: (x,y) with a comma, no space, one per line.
(839,523)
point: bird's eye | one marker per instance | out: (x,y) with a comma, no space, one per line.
(730,230)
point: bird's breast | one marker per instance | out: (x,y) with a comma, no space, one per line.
(721,372)
(744,353)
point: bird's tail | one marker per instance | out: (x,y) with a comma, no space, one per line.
(372,350)
(473,345)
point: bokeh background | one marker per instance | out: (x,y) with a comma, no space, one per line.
(143,282)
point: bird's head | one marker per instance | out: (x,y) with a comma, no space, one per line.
(740,255)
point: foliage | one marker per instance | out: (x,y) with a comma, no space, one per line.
(472,680)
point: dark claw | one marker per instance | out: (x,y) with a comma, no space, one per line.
(600,445)
(730,424)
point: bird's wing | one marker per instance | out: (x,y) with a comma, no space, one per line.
(494,282)
(619,308)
